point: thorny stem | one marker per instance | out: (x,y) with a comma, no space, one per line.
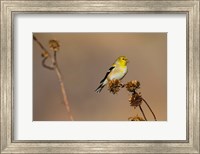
(150,109)
(142,112)
(57,70)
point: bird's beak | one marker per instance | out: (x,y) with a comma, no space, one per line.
(127,60)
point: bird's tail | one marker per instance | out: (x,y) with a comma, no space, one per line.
(98,90)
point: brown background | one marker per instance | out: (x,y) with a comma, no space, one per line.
(84,58)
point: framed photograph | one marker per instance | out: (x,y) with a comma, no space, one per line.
(81,59)
(99,76)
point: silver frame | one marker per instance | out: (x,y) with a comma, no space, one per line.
(10,7)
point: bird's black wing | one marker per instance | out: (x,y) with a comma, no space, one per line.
(107,74)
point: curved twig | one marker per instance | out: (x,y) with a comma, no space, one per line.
(150,109)
(57,70)
(46,66)
(142,112)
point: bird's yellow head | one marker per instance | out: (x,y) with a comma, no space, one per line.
(122,60)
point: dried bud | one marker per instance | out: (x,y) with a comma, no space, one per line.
(45,54)
(135,100)
(136,118)
(54,45)
(133,85)
(114,86)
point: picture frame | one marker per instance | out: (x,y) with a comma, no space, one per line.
(9,8)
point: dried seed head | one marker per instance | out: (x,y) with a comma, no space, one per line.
(135,100)
(114,86)
(45,54)
(133,85)
(54,45)
(136,118)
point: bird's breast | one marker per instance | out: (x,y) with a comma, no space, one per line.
(118,73)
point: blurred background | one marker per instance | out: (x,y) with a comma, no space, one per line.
(84,59)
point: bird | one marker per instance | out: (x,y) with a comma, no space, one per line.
(117,71)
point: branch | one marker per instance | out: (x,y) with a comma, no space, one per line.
(41,46)
(46,66)
(57,70)
(150,109)
(135,99)
(62,87)
(142,112)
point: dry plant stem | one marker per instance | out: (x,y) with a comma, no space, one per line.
(56,68)
(122,85)
(41,46)
(63,90)
(55,58)
(142,112)
(46,66)
(150,109)
(58,73)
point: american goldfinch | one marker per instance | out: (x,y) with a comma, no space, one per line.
(117,71)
